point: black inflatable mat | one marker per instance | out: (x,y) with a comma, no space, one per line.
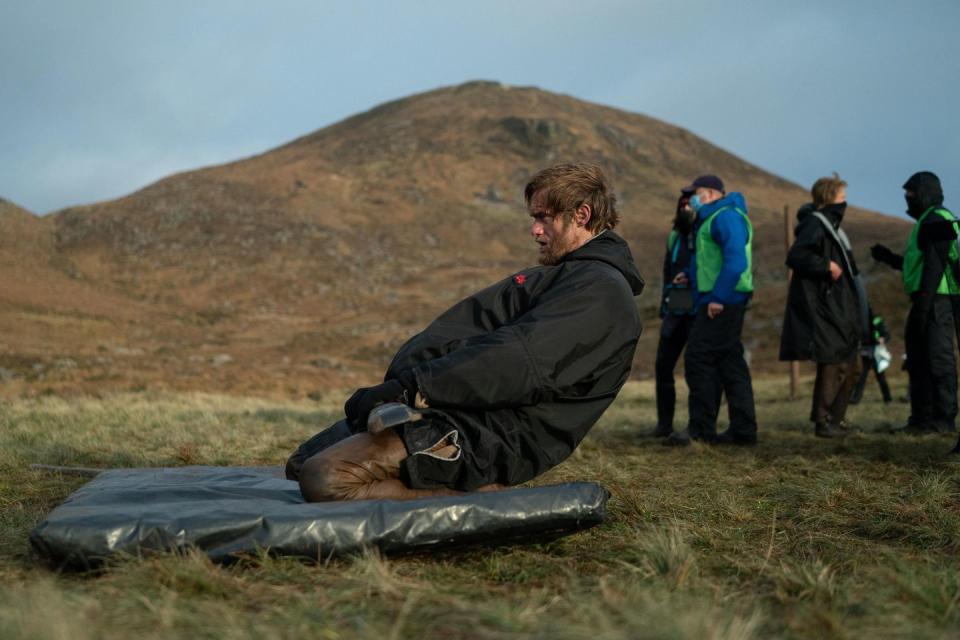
(226,511)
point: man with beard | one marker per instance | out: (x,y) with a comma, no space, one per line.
(506,383)
(721,274)
(932,280)
(676,313)
(822,321)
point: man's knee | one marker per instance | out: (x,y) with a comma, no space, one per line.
(324,479)
(319,480)
(348,470)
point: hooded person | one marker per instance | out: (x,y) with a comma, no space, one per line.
(508,381)
(676,313)
(822,320)
(721,275)
(931,277)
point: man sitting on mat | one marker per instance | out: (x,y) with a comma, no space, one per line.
(506,383)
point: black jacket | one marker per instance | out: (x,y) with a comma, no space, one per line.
(526,367)
(934,239)
(822,321)
(675,260)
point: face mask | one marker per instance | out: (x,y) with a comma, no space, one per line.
(695,203)
(837,208)
(913,206)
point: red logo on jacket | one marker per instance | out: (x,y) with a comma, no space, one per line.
(519,278)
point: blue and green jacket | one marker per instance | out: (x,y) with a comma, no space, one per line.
(730,232)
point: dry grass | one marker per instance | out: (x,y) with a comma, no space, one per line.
(794,538)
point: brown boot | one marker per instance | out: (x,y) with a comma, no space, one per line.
(849,427)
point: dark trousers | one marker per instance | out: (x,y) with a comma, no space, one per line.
(832,390)
(673,338)
(714,363)
(931,365)
(866,365)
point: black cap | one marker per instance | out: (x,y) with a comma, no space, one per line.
(707,182)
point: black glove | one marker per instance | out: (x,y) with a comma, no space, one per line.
(882,254)
(363,401)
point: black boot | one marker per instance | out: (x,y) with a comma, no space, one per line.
(678,439)
(915,429)
(660,431)
(944,426)
(953,456)
(728,437)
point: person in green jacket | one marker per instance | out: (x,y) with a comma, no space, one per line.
(876,337)
(930,277)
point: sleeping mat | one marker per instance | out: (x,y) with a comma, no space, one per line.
(230,511)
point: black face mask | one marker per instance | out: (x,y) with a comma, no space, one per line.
(837,208)
(835,211)
(915,208)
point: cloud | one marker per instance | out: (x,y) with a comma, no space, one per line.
(105,97)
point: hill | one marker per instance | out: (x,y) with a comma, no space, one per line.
(307,265)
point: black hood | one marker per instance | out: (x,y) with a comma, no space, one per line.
(929,193)
(805,212)
(611,248)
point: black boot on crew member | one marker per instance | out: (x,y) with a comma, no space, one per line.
(678,439)
(660,431)
(729,437)
(915,429)
(953,456)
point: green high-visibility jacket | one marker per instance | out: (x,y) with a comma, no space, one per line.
(710,256)
(913,258)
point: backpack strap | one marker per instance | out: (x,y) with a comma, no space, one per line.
(840,237)
(841,240)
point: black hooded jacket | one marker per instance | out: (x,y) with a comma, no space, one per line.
(822,321)
(526,367)
(934,239)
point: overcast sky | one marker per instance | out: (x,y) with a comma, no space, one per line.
(99,98)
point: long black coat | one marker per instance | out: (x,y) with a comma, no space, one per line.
(526,367)
(822,321)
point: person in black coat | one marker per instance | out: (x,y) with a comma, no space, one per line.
(931,279)
(507,381)
(822,319)
(676,311)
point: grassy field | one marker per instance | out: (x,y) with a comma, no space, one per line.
(797,537)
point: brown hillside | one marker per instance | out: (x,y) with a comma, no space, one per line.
(307,265)
(48,311)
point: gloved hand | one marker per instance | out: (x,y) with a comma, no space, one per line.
(882,254)
(363,401)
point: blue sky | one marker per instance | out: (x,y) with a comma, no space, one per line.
(100,98)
